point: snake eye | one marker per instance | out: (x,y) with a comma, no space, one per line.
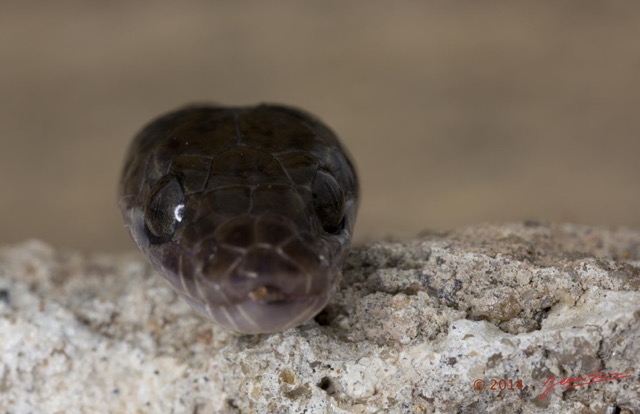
(328,201)
(164,208)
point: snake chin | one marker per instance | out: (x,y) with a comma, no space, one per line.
(261,315)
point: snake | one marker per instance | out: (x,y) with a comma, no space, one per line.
(247,211)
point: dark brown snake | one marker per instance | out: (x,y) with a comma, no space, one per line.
(247,211)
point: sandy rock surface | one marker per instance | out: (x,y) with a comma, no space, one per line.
(472,320)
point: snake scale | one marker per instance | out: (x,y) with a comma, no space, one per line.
(248,212)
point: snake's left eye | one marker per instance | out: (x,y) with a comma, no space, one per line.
(328,201)
(164,208)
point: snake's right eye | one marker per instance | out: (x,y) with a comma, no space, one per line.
(164,208)
(328,201)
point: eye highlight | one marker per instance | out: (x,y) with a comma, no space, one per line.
(164,208)
(328,201)
(178,212)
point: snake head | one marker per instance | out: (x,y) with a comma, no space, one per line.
(247,212)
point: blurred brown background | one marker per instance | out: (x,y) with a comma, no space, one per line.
(456,112)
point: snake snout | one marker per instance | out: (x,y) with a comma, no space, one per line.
(264,275)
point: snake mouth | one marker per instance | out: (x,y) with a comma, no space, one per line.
(266,316)
(266,310)
(267,291)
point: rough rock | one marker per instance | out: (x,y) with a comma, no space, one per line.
(417,327)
